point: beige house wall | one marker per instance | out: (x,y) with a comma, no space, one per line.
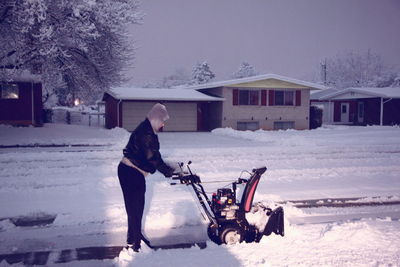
(183,115)
(265,115)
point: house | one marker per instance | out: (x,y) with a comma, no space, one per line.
(260,102)
(364,106)
(21,101)
(269,102)
(127,107)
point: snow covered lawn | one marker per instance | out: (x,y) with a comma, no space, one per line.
(79,186)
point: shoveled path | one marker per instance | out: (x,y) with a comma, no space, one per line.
(78,254)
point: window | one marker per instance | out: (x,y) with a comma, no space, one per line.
(344,109)
(284,98)
(249,97)
(283,125)
(251,125)
(279,95)
(289,98)
(9,91)
(243,97)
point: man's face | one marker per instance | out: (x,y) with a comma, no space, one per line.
(161,126)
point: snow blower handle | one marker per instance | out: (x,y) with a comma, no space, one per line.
(259,171)
(177,176)
(187,179)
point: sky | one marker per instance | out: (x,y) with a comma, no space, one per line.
(286,37)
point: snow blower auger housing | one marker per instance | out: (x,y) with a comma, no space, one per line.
(227,216)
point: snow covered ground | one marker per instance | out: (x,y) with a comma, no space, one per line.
(78,185)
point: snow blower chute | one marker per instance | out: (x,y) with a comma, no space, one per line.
(227,216)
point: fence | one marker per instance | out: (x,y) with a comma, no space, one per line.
(89,118)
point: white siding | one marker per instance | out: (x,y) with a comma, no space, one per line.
(183,115)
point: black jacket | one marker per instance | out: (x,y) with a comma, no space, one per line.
(143,150)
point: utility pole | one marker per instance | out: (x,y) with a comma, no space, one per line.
(323,71)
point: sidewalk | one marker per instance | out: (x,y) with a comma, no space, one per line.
(78,254)
(53,134)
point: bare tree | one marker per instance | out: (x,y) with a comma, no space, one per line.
(356,70)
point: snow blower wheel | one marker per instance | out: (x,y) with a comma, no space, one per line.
(231,235)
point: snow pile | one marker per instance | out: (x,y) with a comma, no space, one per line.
(336,244)
(377,199)
(327,135)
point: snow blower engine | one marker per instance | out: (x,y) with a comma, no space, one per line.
(227,216)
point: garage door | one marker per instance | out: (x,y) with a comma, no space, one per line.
(183,115)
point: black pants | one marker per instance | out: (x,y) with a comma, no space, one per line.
(133,187)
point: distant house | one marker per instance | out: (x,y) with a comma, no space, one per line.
(364,106)
(21,101)
(127,107)
(260,102)
(269,102)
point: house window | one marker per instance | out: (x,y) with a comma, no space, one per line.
(289,98)
(283,125)
(9,91)
(248,125)
(344,109)
(249,97)
(284,98)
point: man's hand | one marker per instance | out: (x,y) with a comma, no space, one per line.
(168,173)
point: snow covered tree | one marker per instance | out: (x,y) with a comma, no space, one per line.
(245,70)
(202,73)
(179,77)
(356,70)
(78,44)
(396,82)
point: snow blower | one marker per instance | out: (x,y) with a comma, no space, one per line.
(227,216)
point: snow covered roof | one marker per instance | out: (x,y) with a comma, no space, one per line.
(313,86)
(20,76)
(318,95)
(176,94)
(364,92)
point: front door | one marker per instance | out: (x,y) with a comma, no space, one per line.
(202,117)
(360,113)
(344,112)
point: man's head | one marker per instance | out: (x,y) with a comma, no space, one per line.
(157,116)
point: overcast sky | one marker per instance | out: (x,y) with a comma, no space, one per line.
(286,37)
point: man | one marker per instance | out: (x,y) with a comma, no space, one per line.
(141,157)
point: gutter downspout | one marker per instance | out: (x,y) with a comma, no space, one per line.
(383,102)
(118,105)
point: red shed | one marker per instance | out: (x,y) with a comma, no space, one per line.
(21,101)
